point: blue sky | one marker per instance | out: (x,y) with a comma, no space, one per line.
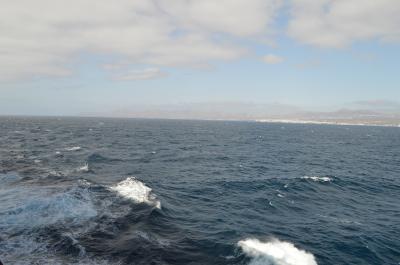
(315,54)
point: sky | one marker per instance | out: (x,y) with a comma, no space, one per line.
(74,57)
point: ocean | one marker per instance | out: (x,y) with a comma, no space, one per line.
(160,192)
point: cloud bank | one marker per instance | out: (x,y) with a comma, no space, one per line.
(40,37)
(338,23)
(46,37)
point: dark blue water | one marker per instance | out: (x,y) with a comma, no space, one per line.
(119,191)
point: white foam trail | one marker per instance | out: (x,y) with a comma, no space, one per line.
(275,252)
(137,191)
(73,148)
(318,178)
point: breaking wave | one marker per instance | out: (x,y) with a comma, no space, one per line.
(275,252)
(318,178)
(73,148)
(84,168)
(65,218)
(137,191)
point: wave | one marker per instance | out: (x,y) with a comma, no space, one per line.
(275,252)
(31,215)
(29,208)
(84,168)
(97,158)
(73,148)
(44,223)
(340,220)
(318,178)
(8,179)
(137,191)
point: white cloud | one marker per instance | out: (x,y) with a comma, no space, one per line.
(145,74)
(42,37)
(236,17)
(272,59)
(45,37)
(338,23)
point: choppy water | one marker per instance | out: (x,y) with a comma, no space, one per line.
(114,191)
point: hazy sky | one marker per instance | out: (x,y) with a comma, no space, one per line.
(78,56)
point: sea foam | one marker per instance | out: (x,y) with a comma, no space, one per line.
(275,252)
(84,168)
(318,178)
(74,148)
(137,191)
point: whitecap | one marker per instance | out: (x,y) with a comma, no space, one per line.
(137,191)
(84,168)
(73,148)
(84,183)
(54,173)
(275,252)
(318,178)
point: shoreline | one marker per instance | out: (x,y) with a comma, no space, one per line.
(283,121)
(324,123)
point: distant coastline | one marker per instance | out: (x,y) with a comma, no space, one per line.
(379,123)
(371,114)
(290,121)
